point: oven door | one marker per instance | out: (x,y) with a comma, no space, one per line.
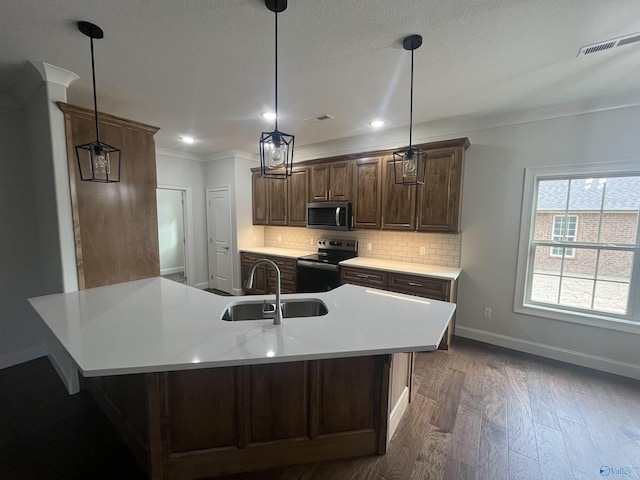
(314,277)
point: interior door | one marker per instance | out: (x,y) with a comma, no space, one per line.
(219,225)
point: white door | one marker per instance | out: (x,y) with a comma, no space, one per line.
(219,229)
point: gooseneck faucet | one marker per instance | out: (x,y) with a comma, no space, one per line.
(277,319)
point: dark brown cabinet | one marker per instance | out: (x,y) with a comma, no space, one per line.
(439,199)
(270,203)
(264,280)
(298,195)
(398,201)
(367,193)
(331,182)
(418,285)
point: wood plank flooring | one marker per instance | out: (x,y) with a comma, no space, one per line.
(479,412)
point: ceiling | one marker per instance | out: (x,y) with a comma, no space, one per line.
(205,67)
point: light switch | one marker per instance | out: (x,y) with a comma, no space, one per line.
(423,251)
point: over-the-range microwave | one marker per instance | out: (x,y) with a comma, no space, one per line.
(329,215)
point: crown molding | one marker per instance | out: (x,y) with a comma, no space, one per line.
(52,74)
(182,155)
(217,156)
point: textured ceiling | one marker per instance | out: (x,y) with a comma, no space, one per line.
(205,67)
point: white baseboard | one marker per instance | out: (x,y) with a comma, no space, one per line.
(569,356)
(169,271)
(202,285)
(26,355)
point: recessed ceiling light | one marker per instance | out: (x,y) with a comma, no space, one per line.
(269,116)
(188,140)
(377,123)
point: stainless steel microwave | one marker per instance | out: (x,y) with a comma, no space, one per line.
(329,215)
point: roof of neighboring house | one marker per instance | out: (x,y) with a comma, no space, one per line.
(620,193)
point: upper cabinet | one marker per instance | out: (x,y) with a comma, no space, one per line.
(440,198)
(298,185)
(269,201)
(368,181)
(367,193)
(331,182)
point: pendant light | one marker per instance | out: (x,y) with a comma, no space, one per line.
(97,161)
(410,161)
(276,148)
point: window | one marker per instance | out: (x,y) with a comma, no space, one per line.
(564,228)
(579,257)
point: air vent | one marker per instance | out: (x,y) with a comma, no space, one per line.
(319,118)
(609,44)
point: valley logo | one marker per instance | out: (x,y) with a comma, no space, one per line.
(606,470)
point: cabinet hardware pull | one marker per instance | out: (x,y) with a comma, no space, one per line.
(414,284)
(362,275)
(329,195)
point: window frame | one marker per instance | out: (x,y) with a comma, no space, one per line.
(611,321)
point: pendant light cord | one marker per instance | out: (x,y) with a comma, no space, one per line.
(276,82)
(411,106)
(95,99)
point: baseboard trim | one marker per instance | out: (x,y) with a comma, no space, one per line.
(170,271)
(569,356)
(15,358)
(202,285)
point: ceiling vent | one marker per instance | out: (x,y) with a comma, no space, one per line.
(609,44)
(319,118)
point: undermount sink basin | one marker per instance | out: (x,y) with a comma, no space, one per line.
(292,308)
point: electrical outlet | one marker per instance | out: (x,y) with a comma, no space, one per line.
(369,246)
(423,251)
(311,241)
(279,238)
(487,312)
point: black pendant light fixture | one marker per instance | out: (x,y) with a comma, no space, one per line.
(409,164)
(276,147)
(97,161)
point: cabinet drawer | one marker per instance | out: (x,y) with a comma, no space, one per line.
(363,276)
(250,257)
(284,263)
(421,286)
(285,276)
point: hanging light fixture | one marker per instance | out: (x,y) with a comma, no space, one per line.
(409,164)
(276,147)
(97,161)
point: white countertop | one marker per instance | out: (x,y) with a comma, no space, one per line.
(158,325)
(281,252)
(446,273)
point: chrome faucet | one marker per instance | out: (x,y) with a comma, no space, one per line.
(266,311)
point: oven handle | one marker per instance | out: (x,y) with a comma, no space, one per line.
(337,216)
(319,266)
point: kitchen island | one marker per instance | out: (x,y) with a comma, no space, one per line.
(195,396)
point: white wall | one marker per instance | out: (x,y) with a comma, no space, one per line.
(492,198)
(20,259)
(187,170)
(170,231)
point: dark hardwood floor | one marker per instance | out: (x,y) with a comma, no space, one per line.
(479,412)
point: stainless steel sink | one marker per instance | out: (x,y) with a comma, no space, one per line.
(260,309)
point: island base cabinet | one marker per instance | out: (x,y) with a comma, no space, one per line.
(210,422)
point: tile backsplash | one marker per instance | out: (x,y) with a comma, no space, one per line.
(439,249)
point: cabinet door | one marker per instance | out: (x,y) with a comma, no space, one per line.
(298,193)
(398,201)
(439,199)
(340,182)
(259,191)
(367,193)
(319,183)
(259,277)
(277,201)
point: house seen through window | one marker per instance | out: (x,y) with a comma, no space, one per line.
(583,248)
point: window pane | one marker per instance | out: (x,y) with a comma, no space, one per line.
(551,201)
(619,227)
(615,266)
(545,288)
(546,261)
(580,262)
(620,210)
(586,193)
(611,297)
(576,292)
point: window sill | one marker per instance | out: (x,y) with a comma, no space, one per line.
(608,323)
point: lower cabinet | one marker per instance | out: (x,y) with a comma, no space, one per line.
(264,280)
(418,285)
